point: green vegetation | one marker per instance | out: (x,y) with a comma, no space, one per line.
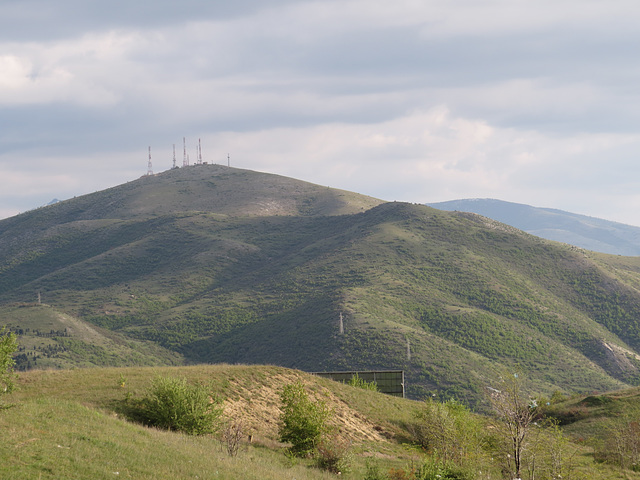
(50,338)
(303,421)
(70,424)
(212,264)
(356,381)
(174,404)
(449,432)
(8,346)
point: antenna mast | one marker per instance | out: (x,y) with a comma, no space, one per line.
(199,152)
(185,159)
(174,156)
(149,166)
(228,160)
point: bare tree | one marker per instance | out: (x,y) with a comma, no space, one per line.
(232,436)
(516,414)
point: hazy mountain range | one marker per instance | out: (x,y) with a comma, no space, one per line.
(579,230)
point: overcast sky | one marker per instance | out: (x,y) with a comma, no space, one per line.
(529,101)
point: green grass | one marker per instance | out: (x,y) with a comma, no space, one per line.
(66,424)
(51,438)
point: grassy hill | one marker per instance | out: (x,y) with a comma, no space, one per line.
(65,424)
(215,264)
(53,339)
(68,424)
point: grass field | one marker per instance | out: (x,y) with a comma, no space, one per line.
(69,424)
(65,424)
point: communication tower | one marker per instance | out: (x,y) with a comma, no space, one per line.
(199,152)
(149,166)
(185,158)
(174,156)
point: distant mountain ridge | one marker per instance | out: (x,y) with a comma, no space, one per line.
(582,231)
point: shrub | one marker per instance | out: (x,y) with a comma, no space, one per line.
(173,404)
(303,421)
(333,454)
(435,470)
(373,472)
(8,345)
(431,470)
(356,381)
(448,431)
(621,444)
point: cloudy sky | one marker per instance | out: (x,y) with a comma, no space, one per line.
(530,101)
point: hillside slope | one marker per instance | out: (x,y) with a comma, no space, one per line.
(52,339)
(74,424)
(69,424)
(448,297)
(579,230)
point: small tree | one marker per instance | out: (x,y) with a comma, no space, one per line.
(516,415)
(8,345)
(232,435)
(448,431)
(303,421)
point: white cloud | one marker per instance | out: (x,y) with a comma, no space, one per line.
(431,156)
(417,100)
(86,71)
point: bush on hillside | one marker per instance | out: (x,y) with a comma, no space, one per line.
(8,345)
(448,431)
(303,421)
(334,454)
(173,404)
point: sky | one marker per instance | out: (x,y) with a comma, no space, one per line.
(528,101)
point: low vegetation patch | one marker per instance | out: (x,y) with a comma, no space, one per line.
(8,346)
(174,404)
(356,381)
